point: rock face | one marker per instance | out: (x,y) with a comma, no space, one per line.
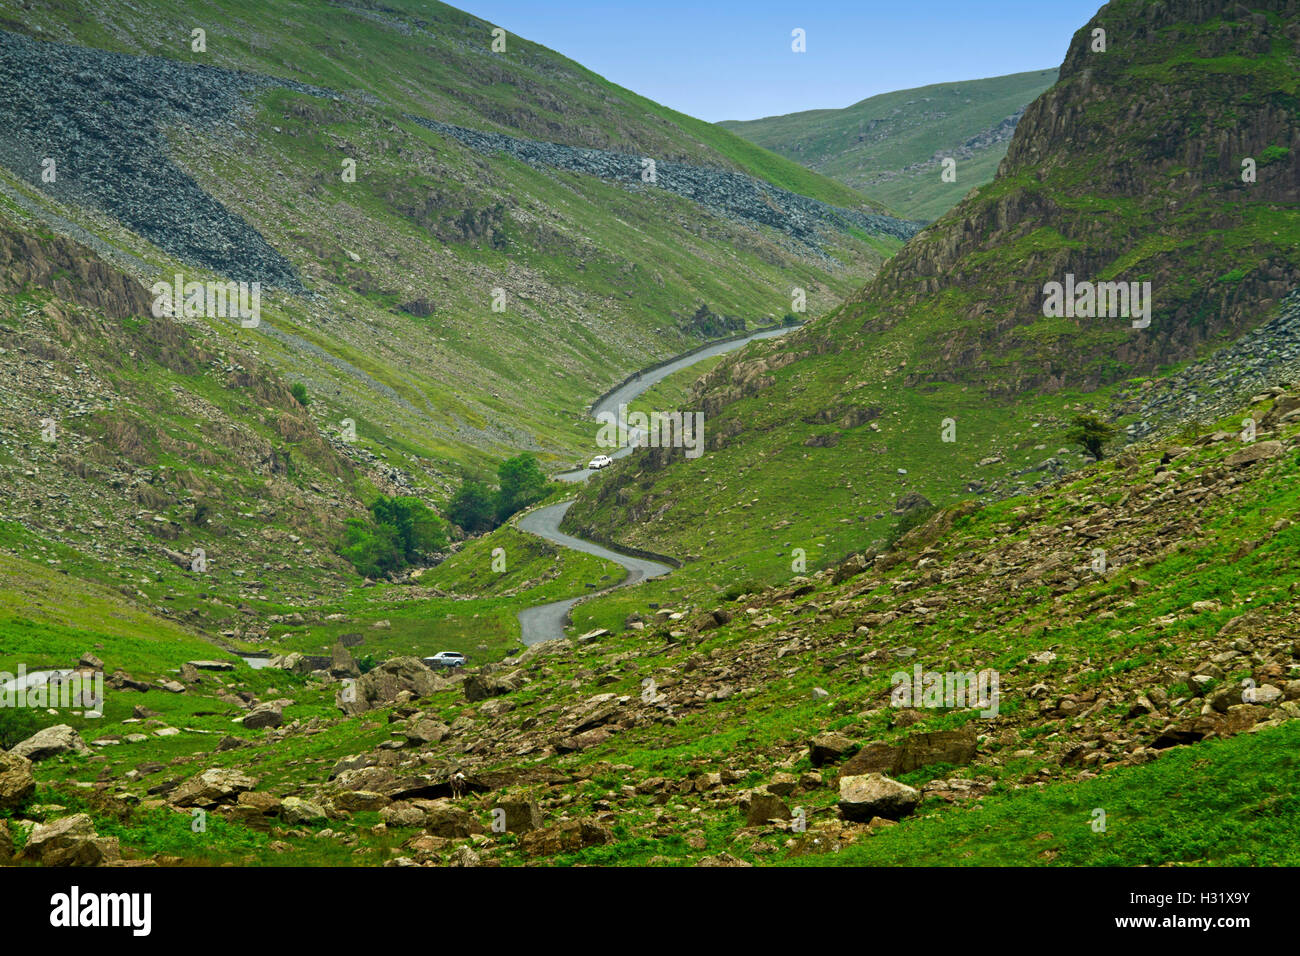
(212,788)
(16,781)
(51,742)
(382,685)
(875,795)
(71,841)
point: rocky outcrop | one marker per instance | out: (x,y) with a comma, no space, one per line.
(732,194)
(70,841)
(385,683)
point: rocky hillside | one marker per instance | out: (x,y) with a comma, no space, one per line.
(431,306)
(1101,182)
(1134,628)
(892,146)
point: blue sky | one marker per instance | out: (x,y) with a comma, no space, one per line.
(726,59)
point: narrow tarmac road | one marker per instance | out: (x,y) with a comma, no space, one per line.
(546,622)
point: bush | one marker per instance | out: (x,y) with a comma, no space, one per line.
(522,482)
(1091,432)
(299,392)
(16,725)
(473,508)
(405,531)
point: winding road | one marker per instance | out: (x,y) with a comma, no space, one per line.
(546,622)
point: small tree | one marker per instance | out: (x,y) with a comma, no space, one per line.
(522,482)
(299,392)
(473,507)
(1091,432)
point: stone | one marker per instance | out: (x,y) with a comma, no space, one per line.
(17,785)
(1256,451)
(759,807)
(342,663)
(70,841)
(358,801)
(263,804)
(297,810)
(212,787)
(384,683)
(51,742)
(875,795)
(426,731)
(567,837)
(829,747)
(402,813)
(481,686)
(445,819)
(518,814)
(263,715)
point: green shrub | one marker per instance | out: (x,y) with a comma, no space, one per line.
(16,725)
(405,531)
(473,508)
(299,392)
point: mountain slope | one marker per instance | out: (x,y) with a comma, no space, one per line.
(440,306)
(890,146)
(832,435)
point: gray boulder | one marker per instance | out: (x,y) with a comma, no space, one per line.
(51,742)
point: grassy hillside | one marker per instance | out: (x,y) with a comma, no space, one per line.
(889,146)
(177,435)
(1120,690)
(815,439)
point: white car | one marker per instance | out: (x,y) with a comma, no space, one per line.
(445,659)
(599,462)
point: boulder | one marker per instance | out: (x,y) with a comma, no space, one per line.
(875,795)
(211,788)
(70,841)
(568,837)
(759,807)
(264,715)
(402,813)
(829,748)
(955,747)
(852,565)
(16,781)
(426,731)
(51,742)
(481,686)
(342,663)
(260,804)
(519,814)
(6,843)
(357,801)
(445,819)
(1257,451)
(297,810)
(382,685)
